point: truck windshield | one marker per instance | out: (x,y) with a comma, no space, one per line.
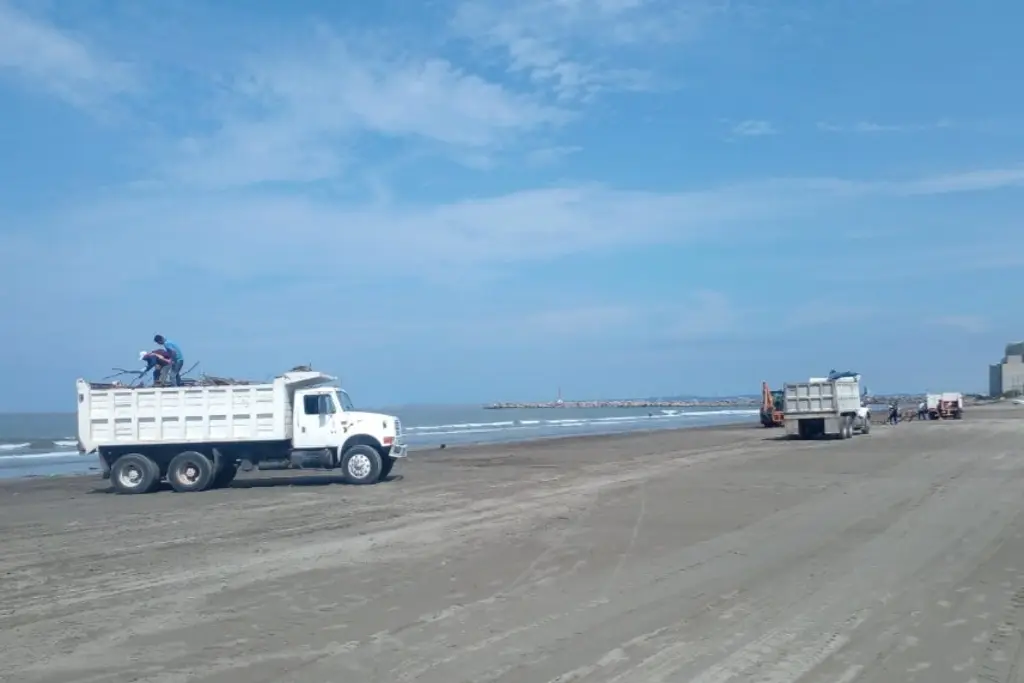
(346,401)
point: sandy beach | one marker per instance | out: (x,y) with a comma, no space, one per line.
(690,556)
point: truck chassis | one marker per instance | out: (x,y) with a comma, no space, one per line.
(837,426)
(199,467)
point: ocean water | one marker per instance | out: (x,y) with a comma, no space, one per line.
(44,444)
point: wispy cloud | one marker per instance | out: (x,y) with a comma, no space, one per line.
(754,128)
(41,56)
(999,253)
(295,117)
(564,45)
(967,181)
(704,314)
(305,108)
(874,127)
(818,312)
(551,155)
(969,324)
(694,316)
(273,233)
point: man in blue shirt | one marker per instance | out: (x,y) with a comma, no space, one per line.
(177,359)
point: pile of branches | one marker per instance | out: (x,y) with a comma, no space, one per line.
(134,379)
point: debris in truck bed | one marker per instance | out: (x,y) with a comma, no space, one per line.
(133,379)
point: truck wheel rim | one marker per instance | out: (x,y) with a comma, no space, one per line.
(189,474)
(359,466)
(130,477)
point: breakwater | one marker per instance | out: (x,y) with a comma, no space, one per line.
(632,403)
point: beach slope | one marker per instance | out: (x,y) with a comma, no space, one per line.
(697,556)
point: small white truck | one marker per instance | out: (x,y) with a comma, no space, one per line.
(197,437)
(825,407)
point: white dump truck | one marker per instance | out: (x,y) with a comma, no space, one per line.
(825,407)
(944,406)
(197,437)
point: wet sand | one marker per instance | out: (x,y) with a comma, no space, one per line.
(697,556)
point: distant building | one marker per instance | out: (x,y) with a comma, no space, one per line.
(1008,376)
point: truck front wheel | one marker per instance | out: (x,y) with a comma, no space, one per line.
(361,465)
(190,471)
(387,464)
(134,473)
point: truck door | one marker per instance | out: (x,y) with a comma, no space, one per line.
(314,421)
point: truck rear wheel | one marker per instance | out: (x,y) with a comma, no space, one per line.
(224,478)
(134,473)
(361,465)
(190,471)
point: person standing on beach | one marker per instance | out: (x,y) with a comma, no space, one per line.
(177,358)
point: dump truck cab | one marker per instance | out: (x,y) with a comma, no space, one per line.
(325,417)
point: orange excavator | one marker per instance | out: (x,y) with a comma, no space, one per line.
(771,407)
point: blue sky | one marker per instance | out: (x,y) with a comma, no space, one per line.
(464,201)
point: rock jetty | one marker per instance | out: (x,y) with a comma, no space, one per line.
(634,403)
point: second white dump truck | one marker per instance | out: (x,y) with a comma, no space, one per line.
(197,437)
(825,407)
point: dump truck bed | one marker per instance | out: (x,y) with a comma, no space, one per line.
(822,397)
(122,416)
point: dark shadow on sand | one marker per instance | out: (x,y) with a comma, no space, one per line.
(269,482)
(301,480)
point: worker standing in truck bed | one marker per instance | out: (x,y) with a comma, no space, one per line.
(177,358)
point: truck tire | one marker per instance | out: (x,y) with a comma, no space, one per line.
(224,478)
(386,466)
(190,471)
(134,473)
(361,465)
